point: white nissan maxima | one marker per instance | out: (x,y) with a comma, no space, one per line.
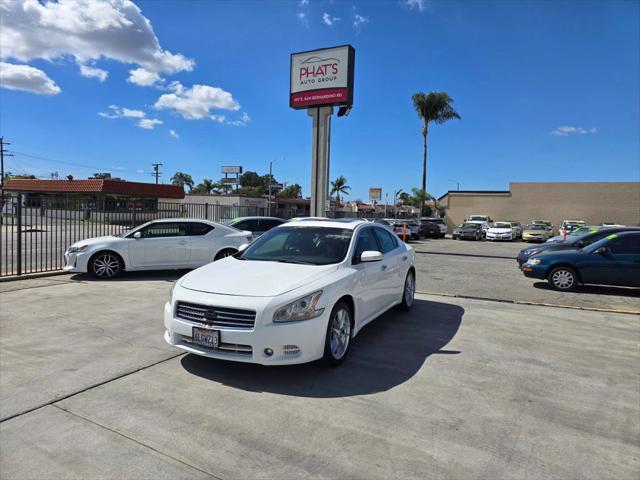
(300,292)
(168,244)
(501,231)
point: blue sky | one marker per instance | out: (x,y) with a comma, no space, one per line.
(547,91)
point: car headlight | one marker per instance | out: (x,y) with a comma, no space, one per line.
(301,309)
(173,286)
(534,261)
(531,251)
(77,249)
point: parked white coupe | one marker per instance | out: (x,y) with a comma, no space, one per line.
(299,293)
(168,244)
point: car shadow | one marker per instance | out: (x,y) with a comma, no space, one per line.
(167,275)
(386,353)
(596,290)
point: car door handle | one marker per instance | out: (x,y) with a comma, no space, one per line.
(404,257)
(384,267)
(183,242)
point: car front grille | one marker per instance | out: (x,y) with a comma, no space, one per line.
(223,347)
(216,316)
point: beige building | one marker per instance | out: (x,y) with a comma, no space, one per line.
(593,202)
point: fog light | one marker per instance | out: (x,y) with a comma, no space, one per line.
(268,352)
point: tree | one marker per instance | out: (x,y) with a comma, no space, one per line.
(182,179)
(338,186)
(291,191)
(432,107)
(250,179)
(204,187)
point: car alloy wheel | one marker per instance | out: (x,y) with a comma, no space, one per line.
(105,265)
(562,279)
(338,338)
(409,292)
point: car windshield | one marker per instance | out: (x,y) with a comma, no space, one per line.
(536,227)
(469,225)
(477,218)
(501,225)
(304,245)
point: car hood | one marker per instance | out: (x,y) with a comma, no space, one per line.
(97,240)
(500,230)
(552,247)
(553,254)
(250,278)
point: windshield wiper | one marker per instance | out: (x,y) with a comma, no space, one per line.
(297,262)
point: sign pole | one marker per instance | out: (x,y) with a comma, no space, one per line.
(319,158)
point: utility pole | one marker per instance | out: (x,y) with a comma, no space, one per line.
(270,178)
(156,171)
(3,152)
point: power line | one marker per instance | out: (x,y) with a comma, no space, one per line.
(88,167)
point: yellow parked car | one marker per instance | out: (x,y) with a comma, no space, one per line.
(536,233)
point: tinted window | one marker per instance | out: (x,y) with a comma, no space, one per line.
(387,241)
(250,225)
(366,242)
(269,224)
(627,244)
(307,245)
(159,230)
(199,228)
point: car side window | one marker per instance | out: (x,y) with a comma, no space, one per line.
(387,241)
(629,244)
(163,230)
(198,229)
(269,224)
(243,225)
(366,242)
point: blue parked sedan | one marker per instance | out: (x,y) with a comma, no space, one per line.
(613,260)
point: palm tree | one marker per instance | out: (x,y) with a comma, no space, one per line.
(432,107)
(182,179)
(338,186)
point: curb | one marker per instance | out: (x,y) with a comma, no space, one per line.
(31,276)
(537,304)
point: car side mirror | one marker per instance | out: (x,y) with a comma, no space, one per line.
(371,256)
(602,251)
(243,247)
(137,235)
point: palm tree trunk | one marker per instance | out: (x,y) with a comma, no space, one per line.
(424,159)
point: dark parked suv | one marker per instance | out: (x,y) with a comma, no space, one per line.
(470,231)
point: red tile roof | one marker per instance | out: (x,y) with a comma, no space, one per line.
(94,185)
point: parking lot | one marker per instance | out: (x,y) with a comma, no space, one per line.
(458,388)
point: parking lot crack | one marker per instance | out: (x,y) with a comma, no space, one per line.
(164,454)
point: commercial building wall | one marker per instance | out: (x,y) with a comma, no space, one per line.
(593,202)
(227,200)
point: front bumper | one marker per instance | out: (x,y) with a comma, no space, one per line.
(499,236)
(534,271)
(248,345)
(532,238)
(75,262)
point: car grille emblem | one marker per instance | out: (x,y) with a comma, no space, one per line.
(210,315)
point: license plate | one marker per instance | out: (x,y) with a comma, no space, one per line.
(205,337)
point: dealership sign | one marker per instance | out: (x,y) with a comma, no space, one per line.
(231,169)
(375,194)
(322,77)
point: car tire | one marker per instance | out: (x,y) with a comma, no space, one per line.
(225,252)
(563,279)
(105,265)
(408,292)
(442,235)
(339,333)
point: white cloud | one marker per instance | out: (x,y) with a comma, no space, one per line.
(419,4)
(26,78)
(144,78)
(359,20)
(196,102)
(303,18)
(303,3)
(329,20)
(122,112)
(148,123)
(242,122)
(93,72)
(174,134)
(86,30)
(569,130)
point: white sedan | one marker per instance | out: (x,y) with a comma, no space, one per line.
(501,231)
(169,244)
(299,293)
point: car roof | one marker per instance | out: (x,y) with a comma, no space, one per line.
(255,217)
(347,223)
(187,220)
